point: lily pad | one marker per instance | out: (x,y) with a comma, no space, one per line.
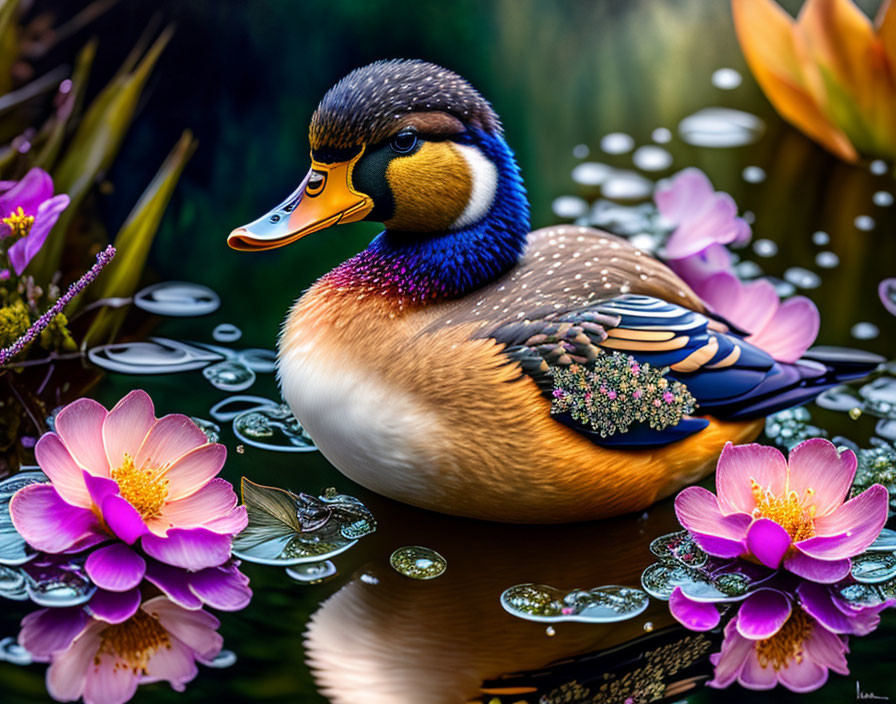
(715,581)
(58,581)
(608,604)
(418,562)
(874,567)
(885,542)
(272,428)
(681,547)
(288,529)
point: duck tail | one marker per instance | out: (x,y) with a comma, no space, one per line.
(789,385)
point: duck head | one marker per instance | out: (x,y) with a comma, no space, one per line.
(415,147)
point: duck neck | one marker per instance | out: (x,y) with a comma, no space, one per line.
(414,268)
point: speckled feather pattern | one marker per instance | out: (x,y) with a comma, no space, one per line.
(365,105)
(436,357)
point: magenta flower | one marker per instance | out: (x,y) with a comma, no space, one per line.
(796,652)
(702,216)
(104,663)
(125,474)
(28,211)
(785,512)
(784,330)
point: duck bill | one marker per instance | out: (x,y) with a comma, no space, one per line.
(325,198)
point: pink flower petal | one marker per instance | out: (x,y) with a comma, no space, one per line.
(48,631)
(80,425)
(749,306)
(169,439)
(762,614)
(820,475)
(791,331)
(174,582)
(826,649)
(34,188)
(802,675)
(214,500)
(693,615)
(67,674)
(231,524)
(732,658)
(756,677)
(860,518)
(108,682)
(189,548)
(824,571)
(684,195)
(225,589)
(739,466)
(193,470)
(817,601)
(174,664)
(196,629)
(126,426)
(123,519)
(887,292)
(698,511)
(115,567)
(56,462)
(114,607)
(768,542)
(49,524)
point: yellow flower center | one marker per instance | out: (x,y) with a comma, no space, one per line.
(788,511)
(145,489)
(131,644)
(786,644)
(19,222)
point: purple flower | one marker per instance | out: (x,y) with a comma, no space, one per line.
(126,474)
(702,216)
(785,512)
(28,210)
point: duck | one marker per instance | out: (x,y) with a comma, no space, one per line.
(464,364)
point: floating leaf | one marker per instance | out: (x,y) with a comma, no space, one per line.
(418,562)
(609,604)
(288,529)
(133,241)
(874,567)
(93,148)
(9,42)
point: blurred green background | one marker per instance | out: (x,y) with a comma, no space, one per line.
(246,76)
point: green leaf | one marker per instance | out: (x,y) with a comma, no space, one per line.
(9,42)
(93,148)
(134,240)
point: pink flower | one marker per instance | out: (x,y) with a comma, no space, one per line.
(125,474)
(796,652)
(28,211)
(702,216)
(788,513)
(104,663)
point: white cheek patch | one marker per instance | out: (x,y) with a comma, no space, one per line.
(485,180)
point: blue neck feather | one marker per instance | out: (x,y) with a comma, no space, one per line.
(426,266)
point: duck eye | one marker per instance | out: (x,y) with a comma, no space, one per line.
(404,142)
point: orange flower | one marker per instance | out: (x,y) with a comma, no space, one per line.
(830,72)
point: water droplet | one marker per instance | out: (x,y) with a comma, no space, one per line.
(827,260)
(726,78)
(550,631)
(645,242)
(617,143)
(539,602)
(418,562)
(241,449)
(720,127)
(864,331)
(626,185)
(369,579)
(229,376)
(864,223)
(13,653)
(661,135)
(651,158)
(156,356)
(58,581)
(591,173)
(272,428)
(803,278)
(820,238)
(312,572)
(880,396)
(232,406)
(855,413)
(581,151)
(838,398)
(884,199)
(224,659)
(753,174)
(878,167)
(569,207)
(648,626)
(765,248)
(177,298)
(748,269)
(225,332)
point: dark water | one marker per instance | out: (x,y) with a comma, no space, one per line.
(245,78)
